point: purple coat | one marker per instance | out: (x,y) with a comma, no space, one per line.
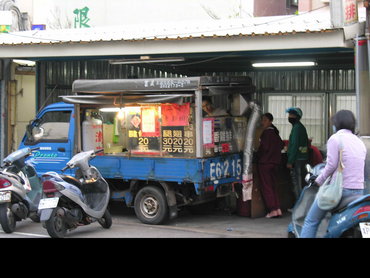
(269,151)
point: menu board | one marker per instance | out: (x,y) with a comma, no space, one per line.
(163,129)
(168,130)
(178,140)
(143,130)
(223,135)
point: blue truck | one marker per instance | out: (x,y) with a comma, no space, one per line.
(161,152)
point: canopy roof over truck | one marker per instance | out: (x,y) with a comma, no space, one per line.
(156,84)
(116,91)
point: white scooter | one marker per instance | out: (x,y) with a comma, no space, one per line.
(70,202)
(20,190)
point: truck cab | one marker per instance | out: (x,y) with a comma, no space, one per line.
(161,151)
(51,130)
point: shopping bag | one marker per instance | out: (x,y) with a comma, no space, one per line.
(330,192)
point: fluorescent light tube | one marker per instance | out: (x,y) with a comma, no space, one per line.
(24,62)
(146,59)
(284,64)
(110,109)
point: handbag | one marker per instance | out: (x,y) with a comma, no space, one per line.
(330,193)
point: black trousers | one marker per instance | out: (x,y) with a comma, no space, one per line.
(297,174)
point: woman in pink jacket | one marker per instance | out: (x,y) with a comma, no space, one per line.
(353,158)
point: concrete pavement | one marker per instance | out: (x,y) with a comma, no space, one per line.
(213,224)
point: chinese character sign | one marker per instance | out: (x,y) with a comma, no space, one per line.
(81,18)
(350,11)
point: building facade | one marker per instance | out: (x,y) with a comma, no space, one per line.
(223,47)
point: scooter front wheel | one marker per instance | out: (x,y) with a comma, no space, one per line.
(7,218)
(106,220)
(56,225)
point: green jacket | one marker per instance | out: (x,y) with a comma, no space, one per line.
(298,143)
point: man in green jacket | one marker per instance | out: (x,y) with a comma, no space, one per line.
(297,149)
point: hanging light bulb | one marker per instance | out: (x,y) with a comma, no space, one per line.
(121,114)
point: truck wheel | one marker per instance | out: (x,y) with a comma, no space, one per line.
(151,205)
(7,218)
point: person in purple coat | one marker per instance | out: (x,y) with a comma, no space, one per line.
(269,159)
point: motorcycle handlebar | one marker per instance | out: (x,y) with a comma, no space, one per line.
(92,156)
(65,168)
(99,151)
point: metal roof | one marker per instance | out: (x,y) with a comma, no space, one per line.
(259,26)
(309,32)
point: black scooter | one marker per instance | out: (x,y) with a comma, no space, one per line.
(70,202)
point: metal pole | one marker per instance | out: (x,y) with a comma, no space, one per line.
(362,85)
(367,28)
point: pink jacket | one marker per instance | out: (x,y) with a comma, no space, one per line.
(354,154)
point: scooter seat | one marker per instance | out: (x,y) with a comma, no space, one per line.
(344,202)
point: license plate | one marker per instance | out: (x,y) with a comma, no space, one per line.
(5,197)
(365,229)
(48,203)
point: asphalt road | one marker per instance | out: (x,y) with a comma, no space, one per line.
(214,224)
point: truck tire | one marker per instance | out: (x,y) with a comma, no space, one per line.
(151,205)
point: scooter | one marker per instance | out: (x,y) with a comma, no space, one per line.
(69,202)
(20,190)
(350,218)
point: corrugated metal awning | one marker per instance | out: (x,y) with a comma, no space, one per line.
(265,26)
(309,30)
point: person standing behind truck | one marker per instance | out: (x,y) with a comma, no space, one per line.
(268,161)
(297,152)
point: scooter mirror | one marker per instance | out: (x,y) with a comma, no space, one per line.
(307,177)
(308,168)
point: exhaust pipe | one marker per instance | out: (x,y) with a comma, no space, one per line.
(247,177)
(20,210)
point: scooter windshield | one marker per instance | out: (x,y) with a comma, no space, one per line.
(96,194)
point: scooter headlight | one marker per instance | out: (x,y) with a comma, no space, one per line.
(4,183)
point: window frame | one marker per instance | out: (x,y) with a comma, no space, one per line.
(28,142)
(329,108)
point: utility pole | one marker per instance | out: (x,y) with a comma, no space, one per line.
(367,6)
(362,78)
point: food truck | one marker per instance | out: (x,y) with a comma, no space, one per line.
(161,152)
